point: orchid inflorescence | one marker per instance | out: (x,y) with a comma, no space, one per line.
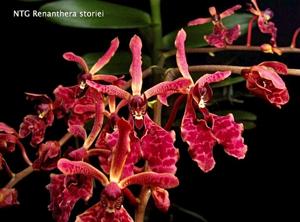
(122,140)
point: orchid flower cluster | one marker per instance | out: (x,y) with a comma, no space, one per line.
(129,146)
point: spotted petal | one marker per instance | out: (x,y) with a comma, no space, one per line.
(163,180)
(180,54)
(199,21)
(212,78)
(120,151)
(199,137)
(65,191)
(136,65)
(230,11)
(109,90)
(97,213)
(167,88)
(158,148)
(106,57)
(69,167)
(229,134)
(70,56)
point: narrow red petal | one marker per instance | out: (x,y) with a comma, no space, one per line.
(120,151)
(70,56)
(69,167)
(167,88)
(230,11)
(229,134)
(199,21)
(158,148)
(136,65)
(163,180)
(109,90)
(180,54)
(199,137)
(211,78)
(106,57)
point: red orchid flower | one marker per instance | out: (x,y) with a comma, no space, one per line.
(8,197)
(263,21)
(137,101)
(110,206)
(102,61)
(203,134)
(263,80)
(36,125)
(8,138)
(221,36)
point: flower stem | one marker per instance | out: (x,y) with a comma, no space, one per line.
(229,48)
(173,72)
(173,114)
(296,33)
(19,176)
(24,154)
(249,33)
(156,29)
(65,138)
(144,197)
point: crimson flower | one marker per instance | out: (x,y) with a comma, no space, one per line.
(8,197)
(263,21)
(8,138)
(263,80)
(110,206)
(203,134)
(49,154)
(36,125)
(221,36)
(137,101)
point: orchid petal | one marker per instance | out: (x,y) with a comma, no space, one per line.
(78,131)
(278,67)
(163,180)
(180,54)
(69,167)
(8,197)
(271,75)
(199,137)
(232,34)
(97,213)
(136,65)
(199,21)
(161,198)
(278,98)
(120,151)
(167,88)
(65,191)
(106,57)
(229,134)
(158,148)
(70,56)
(211,78)
(230,11)
(109,90)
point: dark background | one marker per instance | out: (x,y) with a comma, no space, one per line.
(263,187)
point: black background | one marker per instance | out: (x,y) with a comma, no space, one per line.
(263,187)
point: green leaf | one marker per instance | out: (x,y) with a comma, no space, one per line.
(248,125)
(195,33)
(239,114)
(229,81)
(110,15)
(118,65)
